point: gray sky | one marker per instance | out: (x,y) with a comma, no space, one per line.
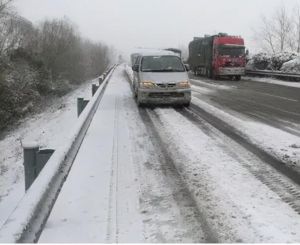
(127,24)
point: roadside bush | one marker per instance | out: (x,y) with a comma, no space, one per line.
(278,59)
(40,61)
(260,61)
(264,61)
(292,66)
(62,86)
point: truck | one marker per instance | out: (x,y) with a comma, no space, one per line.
(217,56)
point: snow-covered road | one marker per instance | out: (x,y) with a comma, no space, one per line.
(169,175)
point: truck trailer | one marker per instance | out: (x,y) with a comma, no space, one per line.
(218,55)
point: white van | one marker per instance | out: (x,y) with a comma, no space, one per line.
(161,78)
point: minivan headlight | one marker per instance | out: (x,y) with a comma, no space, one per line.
(184,84)
(147,84)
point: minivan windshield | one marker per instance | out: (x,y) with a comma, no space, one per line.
(162,63)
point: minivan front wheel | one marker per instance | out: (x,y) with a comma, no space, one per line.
(138,101)
(187,104)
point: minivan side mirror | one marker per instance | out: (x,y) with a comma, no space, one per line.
(135,68)
(187,67)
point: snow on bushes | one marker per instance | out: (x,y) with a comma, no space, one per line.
(292,66)
(259,61)
(277,60)
(264,61)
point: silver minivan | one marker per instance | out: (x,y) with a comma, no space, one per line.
(161,78)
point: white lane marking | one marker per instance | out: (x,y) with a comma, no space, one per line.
(276,96)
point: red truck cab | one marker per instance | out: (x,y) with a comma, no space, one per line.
(228,56)
(217,55)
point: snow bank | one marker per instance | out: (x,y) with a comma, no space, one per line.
(49,129)
(129,72)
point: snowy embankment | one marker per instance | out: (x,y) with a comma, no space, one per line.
(48,129)
(283,145)
(129,72)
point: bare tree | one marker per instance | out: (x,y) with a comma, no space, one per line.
(4,7)
(265,35)
(295,37)
(14,31)
(282,27)
(275,32)
(58,43)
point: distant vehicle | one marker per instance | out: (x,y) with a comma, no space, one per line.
(175,50)
(161,78)
(217,55)
(133,58)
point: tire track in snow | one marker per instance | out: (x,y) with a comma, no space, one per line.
(112,219)
(260,167)
(232,133)
(169,214)
(169,168)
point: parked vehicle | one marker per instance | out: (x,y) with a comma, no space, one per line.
(217,55)
(161,78)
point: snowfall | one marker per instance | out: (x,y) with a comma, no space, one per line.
(152,175)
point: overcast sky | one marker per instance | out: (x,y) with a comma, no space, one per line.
(128,24)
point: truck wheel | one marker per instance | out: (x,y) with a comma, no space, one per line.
(213,75)
(187,104)
(238,78)
(208,73)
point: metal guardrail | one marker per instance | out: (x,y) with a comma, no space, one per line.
(292,76)
(27,221)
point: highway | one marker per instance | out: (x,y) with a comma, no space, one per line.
(272,104)
(224,169)
(163,174)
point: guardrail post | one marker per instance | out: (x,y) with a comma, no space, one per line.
(34,161)
(81,104)
(30,151)
(42,158)
(85,102)
(100,80)
(94,89)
